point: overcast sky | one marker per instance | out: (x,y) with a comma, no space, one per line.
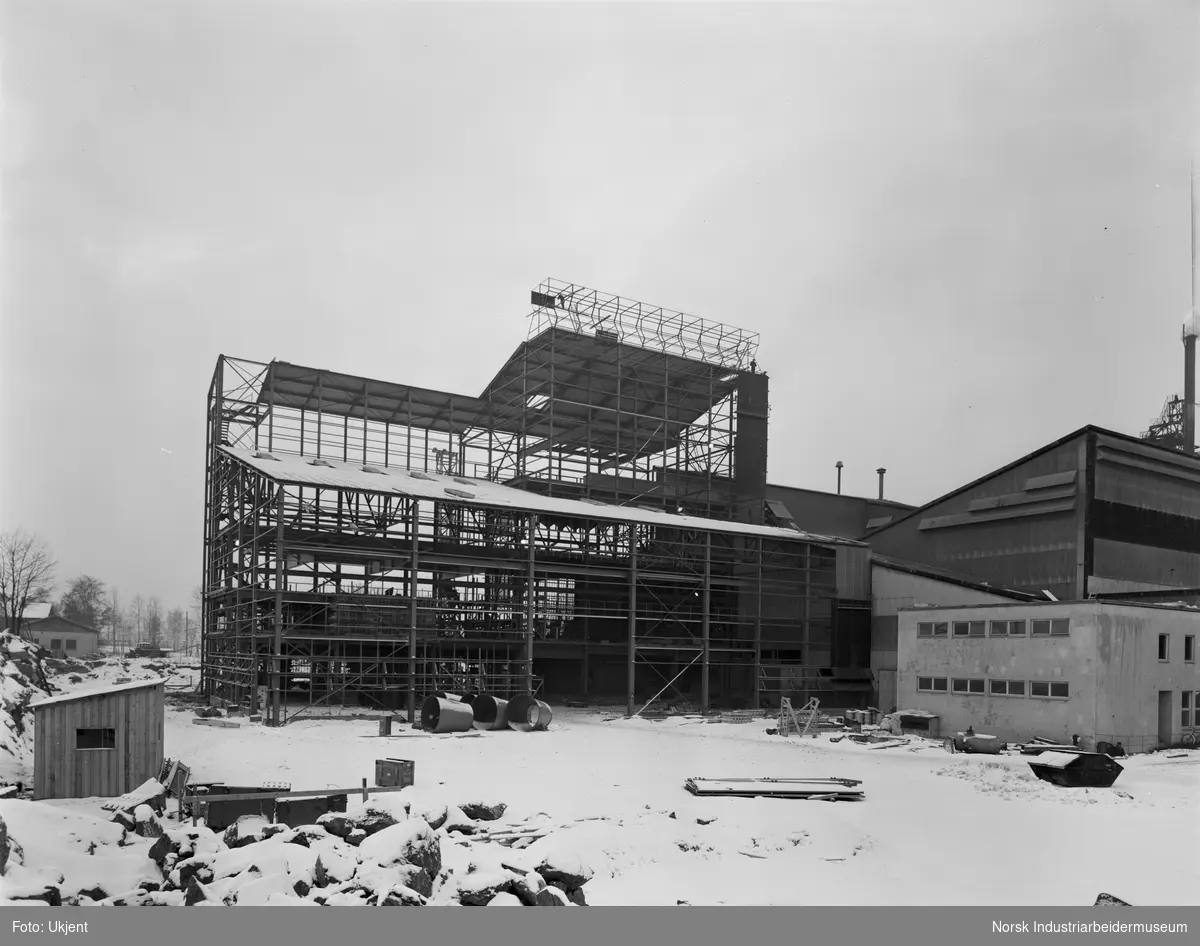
(960,228)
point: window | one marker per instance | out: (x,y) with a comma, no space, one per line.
(999,629)
(999,687)
(1046,689)
(1040,629)
(1185,713)
(1016,687)
(931,684)
(975,686)
(1189,648)
(1016,628)
(969,628)
(939,684)
(95,738)
(929,629)
(1060,627)
(1005,687)
(961,628)
(1164,646)
(72,644)
(966,685)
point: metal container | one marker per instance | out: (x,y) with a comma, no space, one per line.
(394,772)
(489,713)
(441,716)
(297,811)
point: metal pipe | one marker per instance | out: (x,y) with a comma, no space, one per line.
(631,673)
(881,471)
(277,658)
(705,626)
(415,528)
(839,469)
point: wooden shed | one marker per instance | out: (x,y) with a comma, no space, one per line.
(101,742)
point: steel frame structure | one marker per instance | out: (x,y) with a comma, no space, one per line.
(318,588)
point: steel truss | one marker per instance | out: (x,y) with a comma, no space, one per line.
(320,595)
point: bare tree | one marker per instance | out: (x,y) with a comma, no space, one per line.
(137,611)
(175,628)
(114,618)
(26,574)
(154,622)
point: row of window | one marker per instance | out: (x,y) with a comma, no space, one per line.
(1057,627)
(57,644)
(1189,647)
(978,686)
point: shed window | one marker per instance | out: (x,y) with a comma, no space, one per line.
(56,643)
(1006,687)
(929,629)
(931,684)
(95,738)
(960,628)
(1016,628)
(967,685)
(72,644)
(999,629)
(1060,627)
(1040,629)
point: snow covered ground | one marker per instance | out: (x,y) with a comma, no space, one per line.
(933,828)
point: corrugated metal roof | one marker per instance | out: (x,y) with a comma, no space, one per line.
(97,691)
(335,474)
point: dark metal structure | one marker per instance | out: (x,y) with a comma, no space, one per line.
(599,507)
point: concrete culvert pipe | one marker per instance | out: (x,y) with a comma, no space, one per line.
(526,714)
(489,712)
(438,716)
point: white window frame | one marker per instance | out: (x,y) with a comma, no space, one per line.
(1008,685)
(1033,627)
(1060,627)
(1023,632)
(933,682)
(1049,685)
(998,624)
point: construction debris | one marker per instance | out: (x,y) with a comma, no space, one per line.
(824,789)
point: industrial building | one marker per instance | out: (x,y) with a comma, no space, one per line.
(595,523)
(102,742)
(1105,671)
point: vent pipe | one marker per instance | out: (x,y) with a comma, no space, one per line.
(839,469)
(881,471)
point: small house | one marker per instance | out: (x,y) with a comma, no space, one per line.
(98,742)
(62,636)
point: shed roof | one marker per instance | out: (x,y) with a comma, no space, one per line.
(98,691)
(336,474)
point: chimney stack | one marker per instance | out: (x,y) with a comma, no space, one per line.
(839,469)
(881,471)
(1189,332)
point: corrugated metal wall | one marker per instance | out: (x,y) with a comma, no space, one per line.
(62,770)
(1021,527)
(1144,518)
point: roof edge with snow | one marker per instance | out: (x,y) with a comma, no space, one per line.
(98,691)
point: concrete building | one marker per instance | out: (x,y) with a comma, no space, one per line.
(896,585)
(98,743)
(63,637)
(1106,671)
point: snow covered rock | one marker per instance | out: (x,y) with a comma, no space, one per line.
(147,824)
(162,848)
(248,829)
(504,900)
(457,820)
(1108,900)
(3,846)
(196,893)
(553,897)
(335,824)
(356,837)
(565,866)
(477,889)
(401,896)
(409,842)
(436,817)
(480,811)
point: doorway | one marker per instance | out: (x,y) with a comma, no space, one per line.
(1165,704)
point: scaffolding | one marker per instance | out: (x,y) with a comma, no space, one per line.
(590,524)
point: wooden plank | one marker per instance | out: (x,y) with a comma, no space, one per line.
(254,796)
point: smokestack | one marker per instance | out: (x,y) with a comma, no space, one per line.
(839,469)
(1189,334)
(881,471)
